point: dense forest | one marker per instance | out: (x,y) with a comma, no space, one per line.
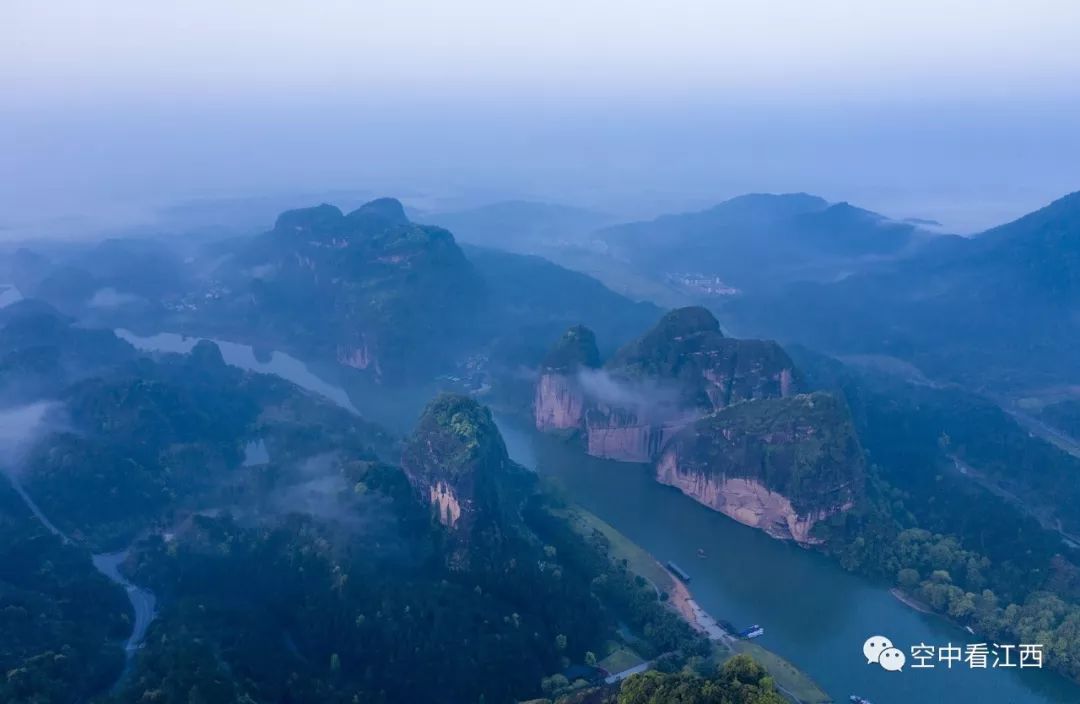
(315,570)
(944,536)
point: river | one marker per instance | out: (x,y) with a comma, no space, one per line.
(815,614)
(142,600)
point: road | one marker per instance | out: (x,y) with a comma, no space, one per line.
(1047,432)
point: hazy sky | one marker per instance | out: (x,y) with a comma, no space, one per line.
(965,111)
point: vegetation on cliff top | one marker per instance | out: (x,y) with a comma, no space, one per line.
(575,349)
(455,436)
(686,347)
(803,447)
(740,680)
(942,535)
(405,293)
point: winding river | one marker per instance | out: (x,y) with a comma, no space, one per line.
(16,426)
(814,614)
(143,602)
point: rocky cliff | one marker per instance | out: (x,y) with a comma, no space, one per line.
(708,370)
(454,460)
(560,401)
(369,289)
(680,370)
(780,465)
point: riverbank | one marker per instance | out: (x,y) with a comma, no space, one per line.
(143,602)
(794,683)
(911,601)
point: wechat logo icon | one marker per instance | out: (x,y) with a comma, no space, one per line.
(880,650)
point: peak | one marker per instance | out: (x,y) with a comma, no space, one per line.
(576,348)
(206,352)
(32,308)
(788,202)
(456,436)
(388,209)
(686,321)
(844,209)
(1062,214)
(1066,204)
(318,217)
(665,338)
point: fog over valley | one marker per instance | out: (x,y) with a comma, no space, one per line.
(570,353)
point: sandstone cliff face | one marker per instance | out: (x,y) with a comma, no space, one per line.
(779,465)
(682,369)
(745,500)
(446,504)
(360,356)
(453,460)
(559,402)
(620,435)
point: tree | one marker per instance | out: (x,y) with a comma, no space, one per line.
(908,578)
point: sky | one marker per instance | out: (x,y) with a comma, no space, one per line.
(963,111)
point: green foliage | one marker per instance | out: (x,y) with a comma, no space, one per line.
(740,680)
(576,348)
(945,540)
(62,622)
(154,437)
(367,280)
(455,436)
(624,597)
(803,447)
(687,349)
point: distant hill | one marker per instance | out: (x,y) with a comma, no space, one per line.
(758,241)
(369,288)
(998,309)
(534,300)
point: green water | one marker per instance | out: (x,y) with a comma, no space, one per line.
(814,614)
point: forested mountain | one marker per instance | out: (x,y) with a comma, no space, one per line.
(761,241)
(297,552)
(719,418)
(997,311)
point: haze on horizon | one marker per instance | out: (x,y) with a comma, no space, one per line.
(961,111)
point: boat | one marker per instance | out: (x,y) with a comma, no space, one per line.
(678,572)
(856,699)
(752,632)
(701,552)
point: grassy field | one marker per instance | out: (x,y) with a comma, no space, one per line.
(622,548)
(620,659)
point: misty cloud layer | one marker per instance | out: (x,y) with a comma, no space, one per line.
(20,427)
(650,402)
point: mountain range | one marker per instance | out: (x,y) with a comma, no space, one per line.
(998,311)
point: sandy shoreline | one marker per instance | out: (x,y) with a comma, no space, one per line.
(683,602)
(910,601)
